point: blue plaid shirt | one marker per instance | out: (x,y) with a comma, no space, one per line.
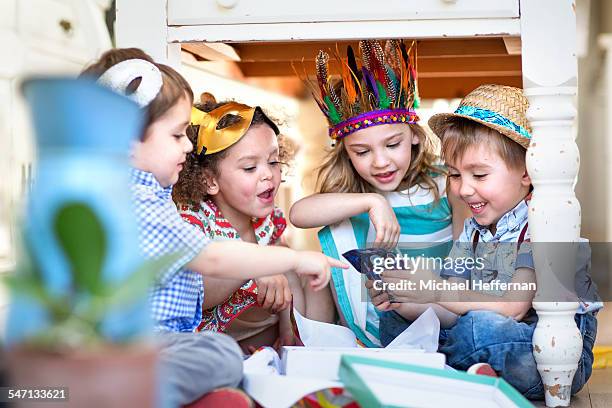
(500,261)
(177,294)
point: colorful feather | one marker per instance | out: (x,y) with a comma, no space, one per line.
(332,113)
(346,87)
(404,52)
(360,94)
(378,57)
(334,96)
(385,78)
(392,84)
(407,82)
(364,48)
(349,84)
(321,62)
(392,56)
(315,95)
(415,88)
(352,63)
(383,99)
(404,85)
(370,81)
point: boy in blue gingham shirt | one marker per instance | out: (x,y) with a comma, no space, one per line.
(177,296)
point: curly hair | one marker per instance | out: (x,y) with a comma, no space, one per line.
(337,174)
(191,186)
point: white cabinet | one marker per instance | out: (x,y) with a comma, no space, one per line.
(54,27)
(274,20)
(7,17)
(37,37)
(197,12)
(5,169)
(171,22)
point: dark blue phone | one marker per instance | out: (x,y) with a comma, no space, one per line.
(363,260)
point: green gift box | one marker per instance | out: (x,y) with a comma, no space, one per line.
(376,383)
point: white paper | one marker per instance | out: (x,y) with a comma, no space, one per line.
(263,382)
(423,333)
(264,361)
(265,385)
(320,334)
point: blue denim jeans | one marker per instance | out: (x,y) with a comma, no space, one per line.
(482,336)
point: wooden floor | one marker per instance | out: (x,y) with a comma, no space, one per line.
(596,394)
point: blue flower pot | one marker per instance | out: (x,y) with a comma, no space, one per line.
(84,134)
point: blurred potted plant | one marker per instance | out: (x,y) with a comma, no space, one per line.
(79,315)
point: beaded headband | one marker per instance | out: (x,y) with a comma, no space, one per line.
(382,91)
(212,140)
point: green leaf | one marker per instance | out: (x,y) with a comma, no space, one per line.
(26,281)
(27,285)
(82,237)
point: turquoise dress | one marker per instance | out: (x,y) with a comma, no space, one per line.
(426,230)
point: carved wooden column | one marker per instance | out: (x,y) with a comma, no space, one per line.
(548,32)
(143,24)
(605,43)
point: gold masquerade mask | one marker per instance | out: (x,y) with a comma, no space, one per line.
(214,140)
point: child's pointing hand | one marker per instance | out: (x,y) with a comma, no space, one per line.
(317,265)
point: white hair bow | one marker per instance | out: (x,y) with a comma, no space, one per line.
(120,75)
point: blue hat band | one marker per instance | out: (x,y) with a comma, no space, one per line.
(493,118)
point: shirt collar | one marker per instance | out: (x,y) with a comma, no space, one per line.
(509,222)
(144,178)
(263,227)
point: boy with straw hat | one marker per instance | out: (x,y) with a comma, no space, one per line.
(484,145)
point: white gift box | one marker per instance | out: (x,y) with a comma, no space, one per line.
(323,362)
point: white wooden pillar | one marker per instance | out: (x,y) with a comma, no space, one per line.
(144,24)
(548,32)
(10,191)
(605,43)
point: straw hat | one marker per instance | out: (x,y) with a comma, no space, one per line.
(502,108)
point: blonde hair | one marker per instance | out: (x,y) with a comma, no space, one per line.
(459,134)
(337,174)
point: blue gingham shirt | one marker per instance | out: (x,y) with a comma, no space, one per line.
(502,261)
(176,296)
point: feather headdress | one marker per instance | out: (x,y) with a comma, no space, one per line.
(384,90)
